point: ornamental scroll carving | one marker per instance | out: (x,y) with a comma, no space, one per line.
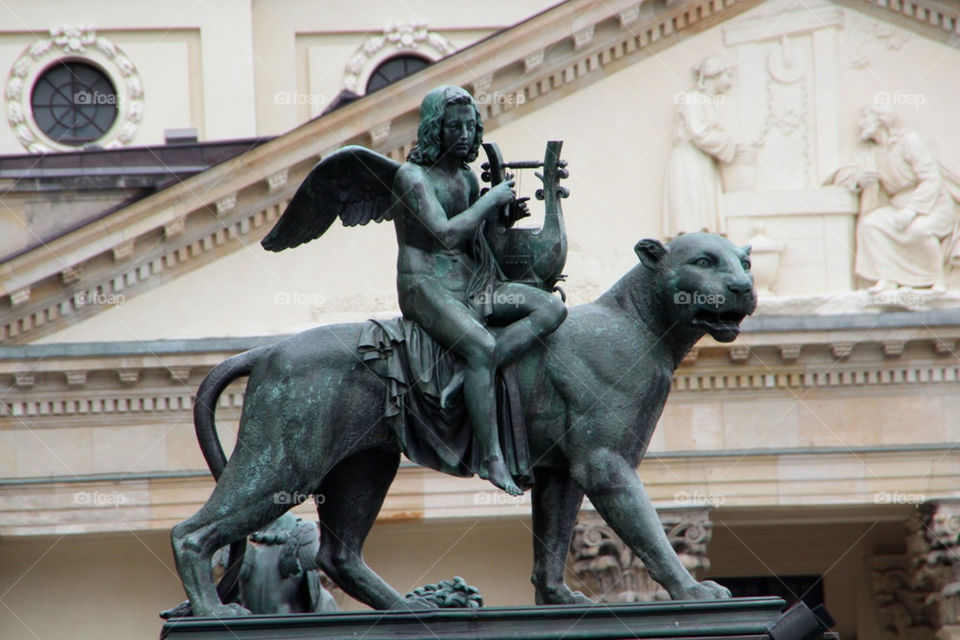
(899,602)
(606,569)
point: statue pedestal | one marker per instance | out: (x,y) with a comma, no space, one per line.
(735,619)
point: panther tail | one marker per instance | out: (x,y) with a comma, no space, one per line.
(205,405)
(204,408)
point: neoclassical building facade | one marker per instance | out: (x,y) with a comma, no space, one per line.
(147,150)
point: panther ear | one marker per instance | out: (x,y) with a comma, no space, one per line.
(746,250)
(651,252)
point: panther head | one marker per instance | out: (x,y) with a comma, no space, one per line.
(705,284)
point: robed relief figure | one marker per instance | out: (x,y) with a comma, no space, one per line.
(449,283)
(907,226)
(692,183)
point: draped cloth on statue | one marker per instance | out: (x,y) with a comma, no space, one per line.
(416,371)
(692,183)
(908,178)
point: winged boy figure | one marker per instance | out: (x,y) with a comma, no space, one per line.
(448,281)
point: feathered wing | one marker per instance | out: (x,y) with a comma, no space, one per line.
(353,183)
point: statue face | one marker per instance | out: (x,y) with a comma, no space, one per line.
(723,82)
(869,125)
(459,130)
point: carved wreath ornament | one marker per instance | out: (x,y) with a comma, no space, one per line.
(397,38)
(72,44)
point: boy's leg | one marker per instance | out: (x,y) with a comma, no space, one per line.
(527,315)
(454,326)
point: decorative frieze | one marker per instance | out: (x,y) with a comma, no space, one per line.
(607,569)
(937,14)
(847,375)
(104,291)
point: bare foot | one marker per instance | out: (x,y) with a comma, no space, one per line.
(882,285)
(495,470)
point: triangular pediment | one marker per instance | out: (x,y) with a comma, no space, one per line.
(194,245)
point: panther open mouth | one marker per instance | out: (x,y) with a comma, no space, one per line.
(723,326)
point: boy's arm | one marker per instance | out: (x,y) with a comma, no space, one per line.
(414,189)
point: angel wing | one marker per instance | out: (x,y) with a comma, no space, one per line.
(353,183)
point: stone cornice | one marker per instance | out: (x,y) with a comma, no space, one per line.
(220,210)
(80,381)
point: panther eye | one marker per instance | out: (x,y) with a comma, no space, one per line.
(703,263)
(746,265)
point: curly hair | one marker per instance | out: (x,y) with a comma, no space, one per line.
(429,137)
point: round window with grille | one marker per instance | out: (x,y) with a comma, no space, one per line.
(74,103)
(394,69)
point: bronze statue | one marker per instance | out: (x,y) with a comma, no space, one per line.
(447,275)
(327,412)
(591,392)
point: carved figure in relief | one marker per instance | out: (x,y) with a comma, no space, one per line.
(907,225)
(692,182)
